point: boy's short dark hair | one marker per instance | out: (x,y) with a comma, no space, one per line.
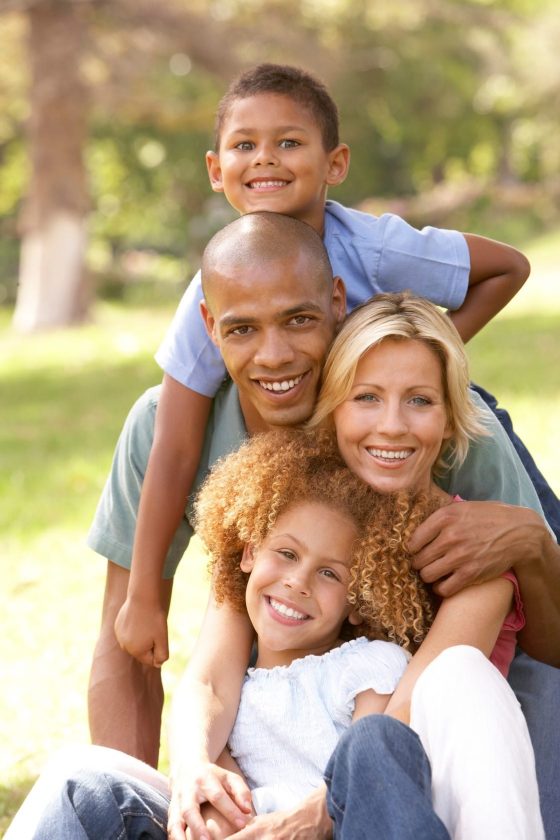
(283,79)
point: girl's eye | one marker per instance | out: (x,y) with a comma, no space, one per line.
(288,554)
(328,573)
(289,144)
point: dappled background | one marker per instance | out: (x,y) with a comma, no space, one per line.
(106,109)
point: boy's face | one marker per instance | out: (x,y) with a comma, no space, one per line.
(272,158)
(273,322)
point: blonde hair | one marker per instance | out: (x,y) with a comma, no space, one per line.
(403,316)
(246,493)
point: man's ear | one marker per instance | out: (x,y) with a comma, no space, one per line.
(209,322)
(247,558)
(214,171)
(339,162)
(338,300)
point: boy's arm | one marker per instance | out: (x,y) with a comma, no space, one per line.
(497,273)
(181,418)
(203,712)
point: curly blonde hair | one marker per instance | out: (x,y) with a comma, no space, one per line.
(246,493)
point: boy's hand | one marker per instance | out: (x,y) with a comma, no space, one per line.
(224,790)
(141,631)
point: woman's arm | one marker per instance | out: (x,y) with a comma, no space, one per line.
(202,716)
(473,617)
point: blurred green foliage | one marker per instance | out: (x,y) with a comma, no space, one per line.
(467,91)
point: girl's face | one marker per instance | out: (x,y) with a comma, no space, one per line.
(392,425)
(297,589)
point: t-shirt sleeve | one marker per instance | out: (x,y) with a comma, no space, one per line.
(433,263)
(187,352)
(492,469)
(515,619)
(376,666)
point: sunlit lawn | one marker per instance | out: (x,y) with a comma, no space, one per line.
(65,396)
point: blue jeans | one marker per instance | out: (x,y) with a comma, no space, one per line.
(92,805)
(549,501)
(537,687)
(379,784)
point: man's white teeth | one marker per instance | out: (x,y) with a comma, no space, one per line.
(287,611)
(391,455)
(256,185)
(284,385)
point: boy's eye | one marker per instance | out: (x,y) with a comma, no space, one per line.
(289,144)
(245,146)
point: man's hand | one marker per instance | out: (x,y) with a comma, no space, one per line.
(141,630)
(472,542)
(309,821)
(225,790)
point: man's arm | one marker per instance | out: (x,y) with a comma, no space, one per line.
(181,418)
(202,716)
(497,273)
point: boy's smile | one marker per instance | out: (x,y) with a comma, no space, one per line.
(272,157)
(297,590)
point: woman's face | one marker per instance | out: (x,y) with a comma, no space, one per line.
(391,427)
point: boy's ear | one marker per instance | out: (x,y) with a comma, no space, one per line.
(209,322)
(247,558)
(339,162)
(214,171)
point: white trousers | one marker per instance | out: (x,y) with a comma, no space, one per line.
(484,784)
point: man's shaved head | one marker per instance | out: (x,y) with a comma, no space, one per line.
(261,238)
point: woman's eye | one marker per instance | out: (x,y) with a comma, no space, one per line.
(365,398)
(420,401)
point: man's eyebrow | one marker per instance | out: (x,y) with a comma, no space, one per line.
(300,309)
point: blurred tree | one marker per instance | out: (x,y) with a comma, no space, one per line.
(432,95)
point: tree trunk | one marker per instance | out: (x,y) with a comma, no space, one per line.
(53,286)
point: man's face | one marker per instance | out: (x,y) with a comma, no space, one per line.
(273,322)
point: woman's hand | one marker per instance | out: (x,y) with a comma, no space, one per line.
(224,790)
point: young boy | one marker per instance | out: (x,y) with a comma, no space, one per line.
(277,149)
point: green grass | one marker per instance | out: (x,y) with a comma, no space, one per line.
(65,395)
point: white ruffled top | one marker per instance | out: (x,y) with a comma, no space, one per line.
(291,717)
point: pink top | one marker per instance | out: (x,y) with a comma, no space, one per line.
(504,649)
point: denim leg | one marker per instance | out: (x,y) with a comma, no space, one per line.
(379,784)
(96,805)
(548,499)
(537,687)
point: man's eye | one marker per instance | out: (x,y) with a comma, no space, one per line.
(245,146)
(300,320)
(289,144)
(243,330)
